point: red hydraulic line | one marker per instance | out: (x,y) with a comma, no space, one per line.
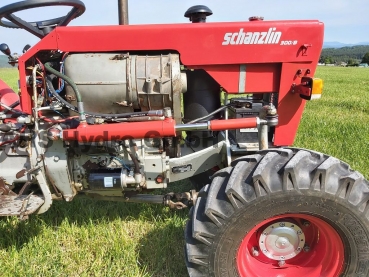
(229,124)
(153,129)
(120,131)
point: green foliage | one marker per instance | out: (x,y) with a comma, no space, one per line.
(89,238)
(4,61)
(328,60)
(365,58)
(344,54)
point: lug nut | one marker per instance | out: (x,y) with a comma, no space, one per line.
(254,251)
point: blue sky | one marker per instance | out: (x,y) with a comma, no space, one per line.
(345,21)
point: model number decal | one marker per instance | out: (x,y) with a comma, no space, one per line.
(288,42)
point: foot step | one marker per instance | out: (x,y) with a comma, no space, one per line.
(19,205)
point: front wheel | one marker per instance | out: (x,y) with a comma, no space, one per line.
(281,212)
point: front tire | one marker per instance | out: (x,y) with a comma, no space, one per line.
(281,212)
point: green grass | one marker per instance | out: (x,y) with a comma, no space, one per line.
(87,238)
(10,76)
(338,123)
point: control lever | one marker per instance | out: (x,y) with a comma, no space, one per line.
(5,49)
(25,48)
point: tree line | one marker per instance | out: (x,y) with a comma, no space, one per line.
(351,55)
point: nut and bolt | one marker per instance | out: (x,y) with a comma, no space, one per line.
(281,263)
(306,248)
(254,251)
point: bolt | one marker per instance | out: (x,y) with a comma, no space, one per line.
(68,198)
(298,249)
(56,158)
(159,179)
(254,251)
(299,232)
(307,224)
(306,248)
(281,263)
(281,224)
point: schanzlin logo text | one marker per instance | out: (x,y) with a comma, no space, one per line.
(241,37)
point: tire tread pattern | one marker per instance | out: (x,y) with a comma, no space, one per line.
(261,175)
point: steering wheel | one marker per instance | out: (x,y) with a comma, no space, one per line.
(39,28)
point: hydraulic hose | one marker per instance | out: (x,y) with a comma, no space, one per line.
(81,109)
(210,114)
(66,79)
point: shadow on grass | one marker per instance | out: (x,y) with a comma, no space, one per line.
(159,250)
(80,212)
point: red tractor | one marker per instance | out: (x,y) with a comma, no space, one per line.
(215,103)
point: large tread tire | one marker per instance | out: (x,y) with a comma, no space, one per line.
(271,183)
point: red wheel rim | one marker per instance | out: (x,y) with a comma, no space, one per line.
(324,255)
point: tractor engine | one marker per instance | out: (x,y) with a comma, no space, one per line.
(113,83)
(129,88)
(120,87)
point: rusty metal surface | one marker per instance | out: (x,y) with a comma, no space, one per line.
(20,174)
(11,205)
(90,165)
(5,189)
(57,194)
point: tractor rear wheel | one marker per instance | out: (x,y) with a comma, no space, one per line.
(281,212)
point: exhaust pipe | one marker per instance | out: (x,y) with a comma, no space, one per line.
(123,12)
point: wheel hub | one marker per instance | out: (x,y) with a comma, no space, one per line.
(281,240)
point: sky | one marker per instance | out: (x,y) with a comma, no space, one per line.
(346,21)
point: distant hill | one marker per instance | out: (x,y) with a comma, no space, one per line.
(334,50)
(4,61)
(336,44)
(344,54)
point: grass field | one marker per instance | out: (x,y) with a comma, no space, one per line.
(86,238)
(10,76)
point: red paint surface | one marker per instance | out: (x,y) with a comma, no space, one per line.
(7,95)
(325,258)
(269,67)
(229,124)
(120,131)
